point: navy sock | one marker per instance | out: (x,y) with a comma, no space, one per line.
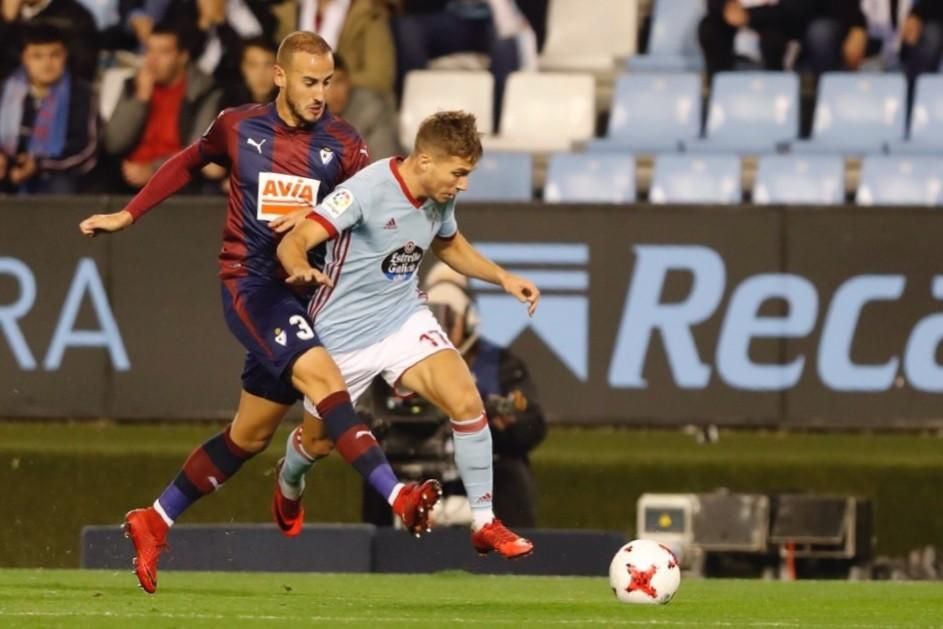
(204,471)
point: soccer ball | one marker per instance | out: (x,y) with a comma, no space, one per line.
(644,571)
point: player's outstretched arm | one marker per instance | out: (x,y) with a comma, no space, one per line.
(459,254)
(173,175)
(293,253)
(105,223)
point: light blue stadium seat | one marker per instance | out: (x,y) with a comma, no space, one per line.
(800,180)
(926,118)
(673,43)
(590,178)
(751,113)
(904,180)
(501,176)
(653,113)
(696,179)
(857,114)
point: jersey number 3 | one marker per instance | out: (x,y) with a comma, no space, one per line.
(303,330)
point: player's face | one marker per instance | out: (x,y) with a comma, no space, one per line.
(303,85)
(446,176)
(44,63)
(258,70)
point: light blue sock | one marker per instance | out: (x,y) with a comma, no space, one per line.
(296,465)
(473,457)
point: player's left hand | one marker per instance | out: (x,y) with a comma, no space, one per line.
(308,276)
(286,222)
(522,288)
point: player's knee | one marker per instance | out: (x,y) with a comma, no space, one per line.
(317,446)
(252,439)
(466,404)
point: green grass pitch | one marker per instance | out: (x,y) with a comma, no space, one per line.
(78,599)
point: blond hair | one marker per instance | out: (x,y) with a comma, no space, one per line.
(453,133)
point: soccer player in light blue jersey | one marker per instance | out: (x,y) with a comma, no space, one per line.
(373,319)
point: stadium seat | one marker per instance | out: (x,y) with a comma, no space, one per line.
(800,180)
(112,83)
(926,118)
(673,43)
(501,177)
(590,178)
(545,112)
(751,113)
(653,113)
(593,39)
(428,91)
(857,114)
(696,179)
(892,180)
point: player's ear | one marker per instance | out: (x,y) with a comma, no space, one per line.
(280,79)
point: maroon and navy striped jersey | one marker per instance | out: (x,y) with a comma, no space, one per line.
(274,169)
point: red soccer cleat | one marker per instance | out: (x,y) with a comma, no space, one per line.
(148,532)
(414,503)
(497,537)
(289,514)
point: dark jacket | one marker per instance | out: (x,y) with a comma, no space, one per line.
(81,144)
(76,24)
(127,123)
(928,10)
(793,16)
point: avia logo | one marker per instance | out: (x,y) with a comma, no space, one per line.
(562,319)
(363,433)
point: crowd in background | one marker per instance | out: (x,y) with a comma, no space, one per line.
(96,94)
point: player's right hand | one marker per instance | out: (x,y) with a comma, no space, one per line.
(304,277)
(106,223)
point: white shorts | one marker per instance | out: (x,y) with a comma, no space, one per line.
(419,337)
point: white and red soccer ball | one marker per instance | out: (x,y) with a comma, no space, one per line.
(643,572)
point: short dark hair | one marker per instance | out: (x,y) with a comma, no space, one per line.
(340,63)
(454,133)
(37,33)
(264,43)
(170,28)
(301,41)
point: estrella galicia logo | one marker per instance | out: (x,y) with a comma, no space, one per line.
(402,263)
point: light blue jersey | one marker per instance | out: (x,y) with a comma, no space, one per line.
(382,234)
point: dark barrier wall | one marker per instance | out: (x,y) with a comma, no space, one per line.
(745,315)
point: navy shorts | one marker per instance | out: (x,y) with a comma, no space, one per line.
(272,324)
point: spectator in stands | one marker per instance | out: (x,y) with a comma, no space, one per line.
(426,29)
(376,122)
(215,30)
(164,107)
(70,17)
(257,69)
(922,38)
(49,126)
(832,33)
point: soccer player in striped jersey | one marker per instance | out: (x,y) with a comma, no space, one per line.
(373,318)
(283,157)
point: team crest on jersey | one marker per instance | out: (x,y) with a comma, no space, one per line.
(402,263)
(326,155)
(281,194)
(337,202)
(280,337)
